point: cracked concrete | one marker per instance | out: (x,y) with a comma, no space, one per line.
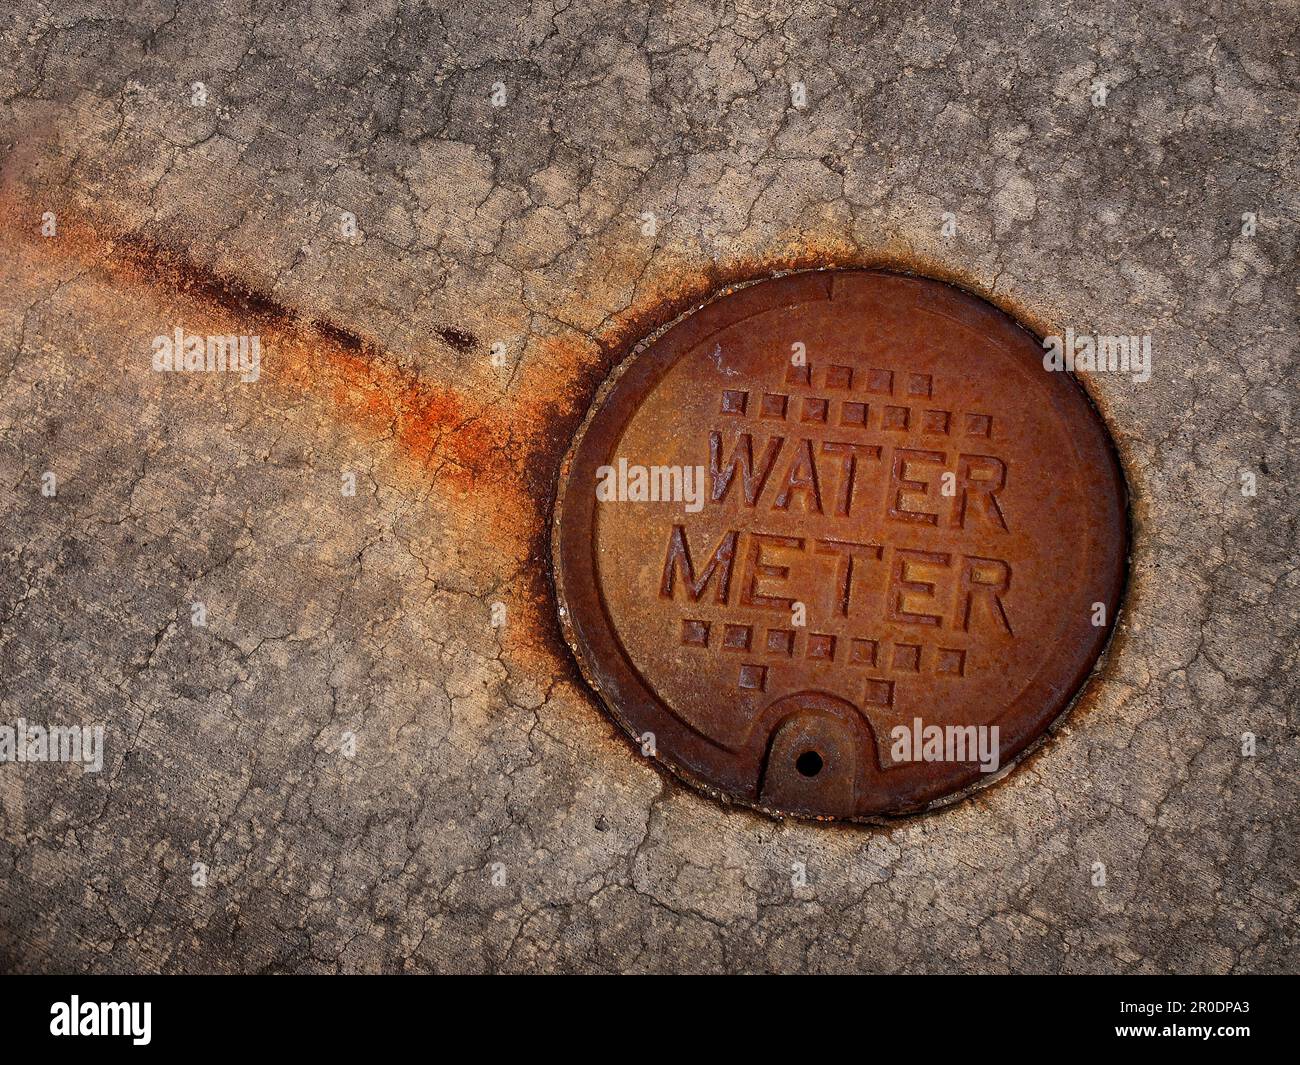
(350,767)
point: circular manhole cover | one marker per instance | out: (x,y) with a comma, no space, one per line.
(836,544)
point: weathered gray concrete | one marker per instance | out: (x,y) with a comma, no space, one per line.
(371,614)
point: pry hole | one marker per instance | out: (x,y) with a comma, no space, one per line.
(809,763)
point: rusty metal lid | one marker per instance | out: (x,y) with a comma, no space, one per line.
(836,544)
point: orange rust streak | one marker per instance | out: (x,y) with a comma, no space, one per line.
(368,388)
(490,457)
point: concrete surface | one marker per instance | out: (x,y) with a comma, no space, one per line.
(234,827)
